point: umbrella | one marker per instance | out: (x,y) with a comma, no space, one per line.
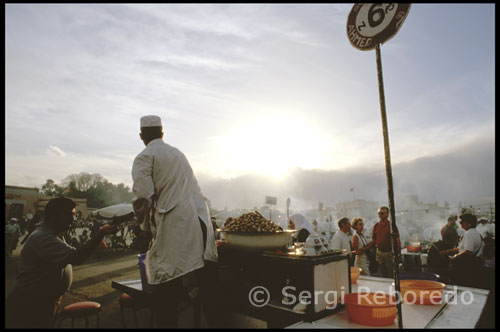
(118,213)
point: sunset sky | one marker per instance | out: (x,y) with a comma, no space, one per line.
(241,88)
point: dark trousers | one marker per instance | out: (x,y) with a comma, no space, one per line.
(209,294)
(167,296)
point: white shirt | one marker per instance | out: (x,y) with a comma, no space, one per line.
(491,229)
(163,172)
(341,241)
(482,229)
(471,242)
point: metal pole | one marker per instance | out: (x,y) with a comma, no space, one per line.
(388,170)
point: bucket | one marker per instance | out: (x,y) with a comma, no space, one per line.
(142,270)
(372,309)
(355,271)
(422,291)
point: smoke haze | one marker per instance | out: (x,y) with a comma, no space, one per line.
(465,175)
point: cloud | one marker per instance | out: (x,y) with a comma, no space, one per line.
(55,151)
(19,169)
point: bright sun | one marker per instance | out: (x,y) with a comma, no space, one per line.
(274,146)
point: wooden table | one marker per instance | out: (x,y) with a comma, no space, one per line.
(134,288)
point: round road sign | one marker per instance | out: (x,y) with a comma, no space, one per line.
(369,24)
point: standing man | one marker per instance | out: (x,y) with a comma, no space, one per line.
(14,231)
(214,225)
(449,231)
(45,271)
(169,203)
(381,235)
(342,240)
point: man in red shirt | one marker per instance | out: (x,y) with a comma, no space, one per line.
(381,235)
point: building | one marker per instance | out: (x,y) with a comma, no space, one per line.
(82,212)
(20,202)
(358,208)
(25,202)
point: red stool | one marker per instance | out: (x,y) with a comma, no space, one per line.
(80,310)
(135,304)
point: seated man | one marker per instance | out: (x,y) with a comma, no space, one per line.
(45,271)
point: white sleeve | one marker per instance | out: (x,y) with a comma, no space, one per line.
(142,175)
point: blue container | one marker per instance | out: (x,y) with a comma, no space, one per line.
(142,270)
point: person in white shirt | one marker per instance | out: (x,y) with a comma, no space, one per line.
(299,223)
(170,205)
(491,228)
(360,245)
(341,239)
(482,227)
(466,263)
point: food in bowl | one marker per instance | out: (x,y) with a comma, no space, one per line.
(421,291)
(252,222)
(256,241)
(372,309)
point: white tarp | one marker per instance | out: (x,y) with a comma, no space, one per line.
(111,211)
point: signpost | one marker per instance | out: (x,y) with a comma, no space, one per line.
(288,201)
(271,201)
(368,26)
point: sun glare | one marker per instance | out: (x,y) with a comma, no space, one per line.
(274,146)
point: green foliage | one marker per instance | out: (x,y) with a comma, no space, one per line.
(50,188)
(98,191)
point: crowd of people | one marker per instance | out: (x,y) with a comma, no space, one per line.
(456,259)
(129,234)
(372,253)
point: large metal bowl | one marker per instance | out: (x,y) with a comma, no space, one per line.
(258,241)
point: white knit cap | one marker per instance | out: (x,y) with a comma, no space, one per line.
(150,121)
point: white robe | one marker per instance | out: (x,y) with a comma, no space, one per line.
(162,172)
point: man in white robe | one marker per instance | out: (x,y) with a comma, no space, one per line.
(170,204)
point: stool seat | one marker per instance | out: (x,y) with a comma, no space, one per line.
(135,304)
(132,302)
(81,309)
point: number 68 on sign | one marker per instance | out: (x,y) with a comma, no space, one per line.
(370,24)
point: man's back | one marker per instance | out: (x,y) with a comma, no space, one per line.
(172,176)
(44,268)
(450,235)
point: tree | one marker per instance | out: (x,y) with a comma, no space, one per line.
(83,181)
(50,188)
(98,191)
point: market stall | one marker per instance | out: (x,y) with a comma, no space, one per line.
(261,276)
(461,308)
